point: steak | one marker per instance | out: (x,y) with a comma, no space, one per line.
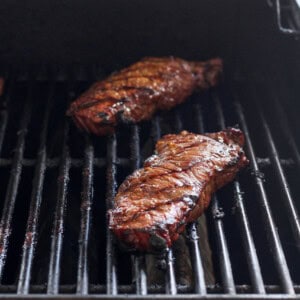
(137,92)
(155,203)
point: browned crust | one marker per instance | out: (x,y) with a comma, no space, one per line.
(137,92)
(154,204)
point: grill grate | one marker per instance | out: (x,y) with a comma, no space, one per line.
(58,184)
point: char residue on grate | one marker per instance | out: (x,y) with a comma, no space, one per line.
(57,184)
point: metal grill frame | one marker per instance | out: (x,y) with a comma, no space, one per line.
(83,289)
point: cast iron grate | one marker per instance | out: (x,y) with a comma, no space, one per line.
(57,183)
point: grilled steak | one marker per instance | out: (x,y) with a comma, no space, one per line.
(137,92)
(155,203)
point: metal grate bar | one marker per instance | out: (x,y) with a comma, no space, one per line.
(111,266)
(35,204)
(86,206)
(171,287)
(156,288)
(157,297)
(251,254)
(77,162)
(15,176)
(225,264)
(82,286)
(200,286)
(140,274)
(155,128)
(286,128)
(58,225)
(286,13)
(289,203)
(100,162)
(199,118)
(265,161)
(135,147)
(178,121)
(275,244)
(138,260)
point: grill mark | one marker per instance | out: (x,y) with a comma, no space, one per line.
(92,103)
(133,91)
(86,105)
(195,200)
(118,89)
(126,88)
(131,186)
(143,89)
(169,187)
(123,79)
(195,144)
(157,76)
(178,225)
(156,66)
(136,215)
(168,172)
(203,188)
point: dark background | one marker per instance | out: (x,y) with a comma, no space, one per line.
(115,33)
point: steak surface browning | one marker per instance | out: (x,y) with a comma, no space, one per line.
(155,203)
(137,92)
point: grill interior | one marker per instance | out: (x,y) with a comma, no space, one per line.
(57,183)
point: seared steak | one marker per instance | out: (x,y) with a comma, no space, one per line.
(137,92)
(155,203)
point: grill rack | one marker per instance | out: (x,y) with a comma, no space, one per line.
(287,16)
(257,289)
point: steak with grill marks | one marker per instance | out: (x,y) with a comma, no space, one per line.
(137,92)
(155,203)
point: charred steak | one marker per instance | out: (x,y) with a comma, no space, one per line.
(155,203)
(137,92)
